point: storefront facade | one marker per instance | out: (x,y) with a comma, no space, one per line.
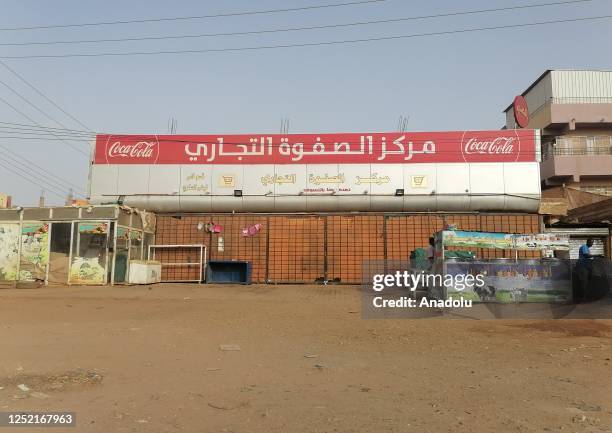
(313,207)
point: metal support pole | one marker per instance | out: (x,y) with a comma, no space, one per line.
(72,224)
(49,233)
(325,264)
(385,256)
(20,238)
(267,250)
(106,258)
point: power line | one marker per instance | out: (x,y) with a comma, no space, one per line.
(309,44)
(47,139)
(45,128)
(57,133)
(31,86)
(45,187)
(47,134)
(197,136)
(76,149)
(31,104)
(49,178)
(295,29)
(197,17)
(28,161)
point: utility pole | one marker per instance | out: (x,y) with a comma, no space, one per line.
(70,198)
(41,199)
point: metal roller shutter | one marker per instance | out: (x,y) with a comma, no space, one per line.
(577,242)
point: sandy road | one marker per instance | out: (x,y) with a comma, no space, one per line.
(135,359)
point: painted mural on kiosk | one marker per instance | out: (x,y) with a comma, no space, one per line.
(34,251)
(89,255)
(9,251)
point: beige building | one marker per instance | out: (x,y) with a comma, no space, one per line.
(573,110)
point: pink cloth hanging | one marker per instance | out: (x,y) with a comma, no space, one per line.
(251,230)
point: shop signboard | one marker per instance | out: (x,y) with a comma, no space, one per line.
(457,238)
(505,241)
(542,241)
(301,172)
(345,148)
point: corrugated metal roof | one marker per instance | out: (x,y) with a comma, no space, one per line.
(546,72)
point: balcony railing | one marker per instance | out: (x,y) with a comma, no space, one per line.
(569,146)
(583,100)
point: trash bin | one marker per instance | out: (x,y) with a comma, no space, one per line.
(228,271)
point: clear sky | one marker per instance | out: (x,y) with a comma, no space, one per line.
(450,82)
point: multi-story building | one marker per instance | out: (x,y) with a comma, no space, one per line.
(573,111)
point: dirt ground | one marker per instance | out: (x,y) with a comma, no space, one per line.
(151,359)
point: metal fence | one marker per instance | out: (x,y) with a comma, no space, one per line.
(308,248)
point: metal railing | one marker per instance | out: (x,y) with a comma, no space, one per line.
(178,256)
(583,100)
(579,145)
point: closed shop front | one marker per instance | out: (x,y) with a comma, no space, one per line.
(308,248)
(579,236)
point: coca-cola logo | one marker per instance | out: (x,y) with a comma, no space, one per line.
(131,150)
(500,148)
(521,111)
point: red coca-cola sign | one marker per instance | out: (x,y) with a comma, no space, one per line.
(521,111)
(343,148)
(503,147)
(132,149)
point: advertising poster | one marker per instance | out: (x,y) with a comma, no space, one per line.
(88,266)
(542,241)
(87,271)
(34,251)
(478,240)
(9,251)
(537,241)
(513,282)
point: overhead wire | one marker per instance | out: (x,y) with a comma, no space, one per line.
(196,17)
(44,138)
(306,44)
(4,129)
(43,95)
(44,127)
(296,29)
(31,104)
(43,175)
(28,179)
(66,141)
